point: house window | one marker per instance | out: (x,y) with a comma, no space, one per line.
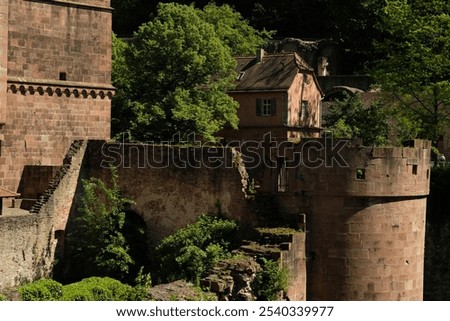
(266,107)
(304,109)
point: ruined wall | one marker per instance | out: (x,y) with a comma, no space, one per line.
(173,185)
(365,216)
(58,60)
(231,279)
(30,240)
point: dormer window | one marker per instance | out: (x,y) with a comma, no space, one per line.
(266,106)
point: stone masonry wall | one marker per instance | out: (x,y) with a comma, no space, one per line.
(4,13)
(365,215)
(173,185)
(42,127)
(366,249)
(47,38)
(231,279)
(30,241)
(55,68)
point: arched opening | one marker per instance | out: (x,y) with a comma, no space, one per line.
(135,233)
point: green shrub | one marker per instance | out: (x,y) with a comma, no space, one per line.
(191,251)
(3,297)
(96,242)
(270,281)
(97,289)
(41,290)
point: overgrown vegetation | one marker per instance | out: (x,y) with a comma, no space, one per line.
(414,61)
(349,118)
(270,282)
(192,251)
(97,243)
(90,289)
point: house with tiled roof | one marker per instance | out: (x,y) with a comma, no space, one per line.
(277,93)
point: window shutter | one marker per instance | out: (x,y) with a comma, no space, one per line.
(258,106)
(273,106)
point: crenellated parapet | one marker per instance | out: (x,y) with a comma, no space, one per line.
(66,89)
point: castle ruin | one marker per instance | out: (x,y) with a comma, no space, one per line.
(362,209)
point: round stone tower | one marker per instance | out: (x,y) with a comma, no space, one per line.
(366,221)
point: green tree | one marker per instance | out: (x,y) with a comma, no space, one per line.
(415,68)
(179,67)
(270,282)
(349,118)
(97,244)
(193,250)
(233,30)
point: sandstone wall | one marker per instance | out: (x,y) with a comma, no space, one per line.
(4,14)
(57,61)
(366,249)
(365,215)
(47,38)
(30,240)
(173,185)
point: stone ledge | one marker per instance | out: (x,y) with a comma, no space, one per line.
(66,88)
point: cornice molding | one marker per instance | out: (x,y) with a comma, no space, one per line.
(59,88)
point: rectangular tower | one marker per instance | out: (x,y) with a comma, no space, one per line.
(55,79)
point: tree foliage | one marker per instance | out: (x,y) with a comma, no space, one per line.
(349,118)
(270,281)
(97,244)
(193,250)
(173,77)
(415,67)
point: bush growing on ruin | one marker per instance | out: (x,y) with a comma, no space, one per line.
(270,281)
(97,244)
(192,251)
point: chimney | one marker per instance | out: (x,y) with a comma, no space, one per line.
(259,55)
